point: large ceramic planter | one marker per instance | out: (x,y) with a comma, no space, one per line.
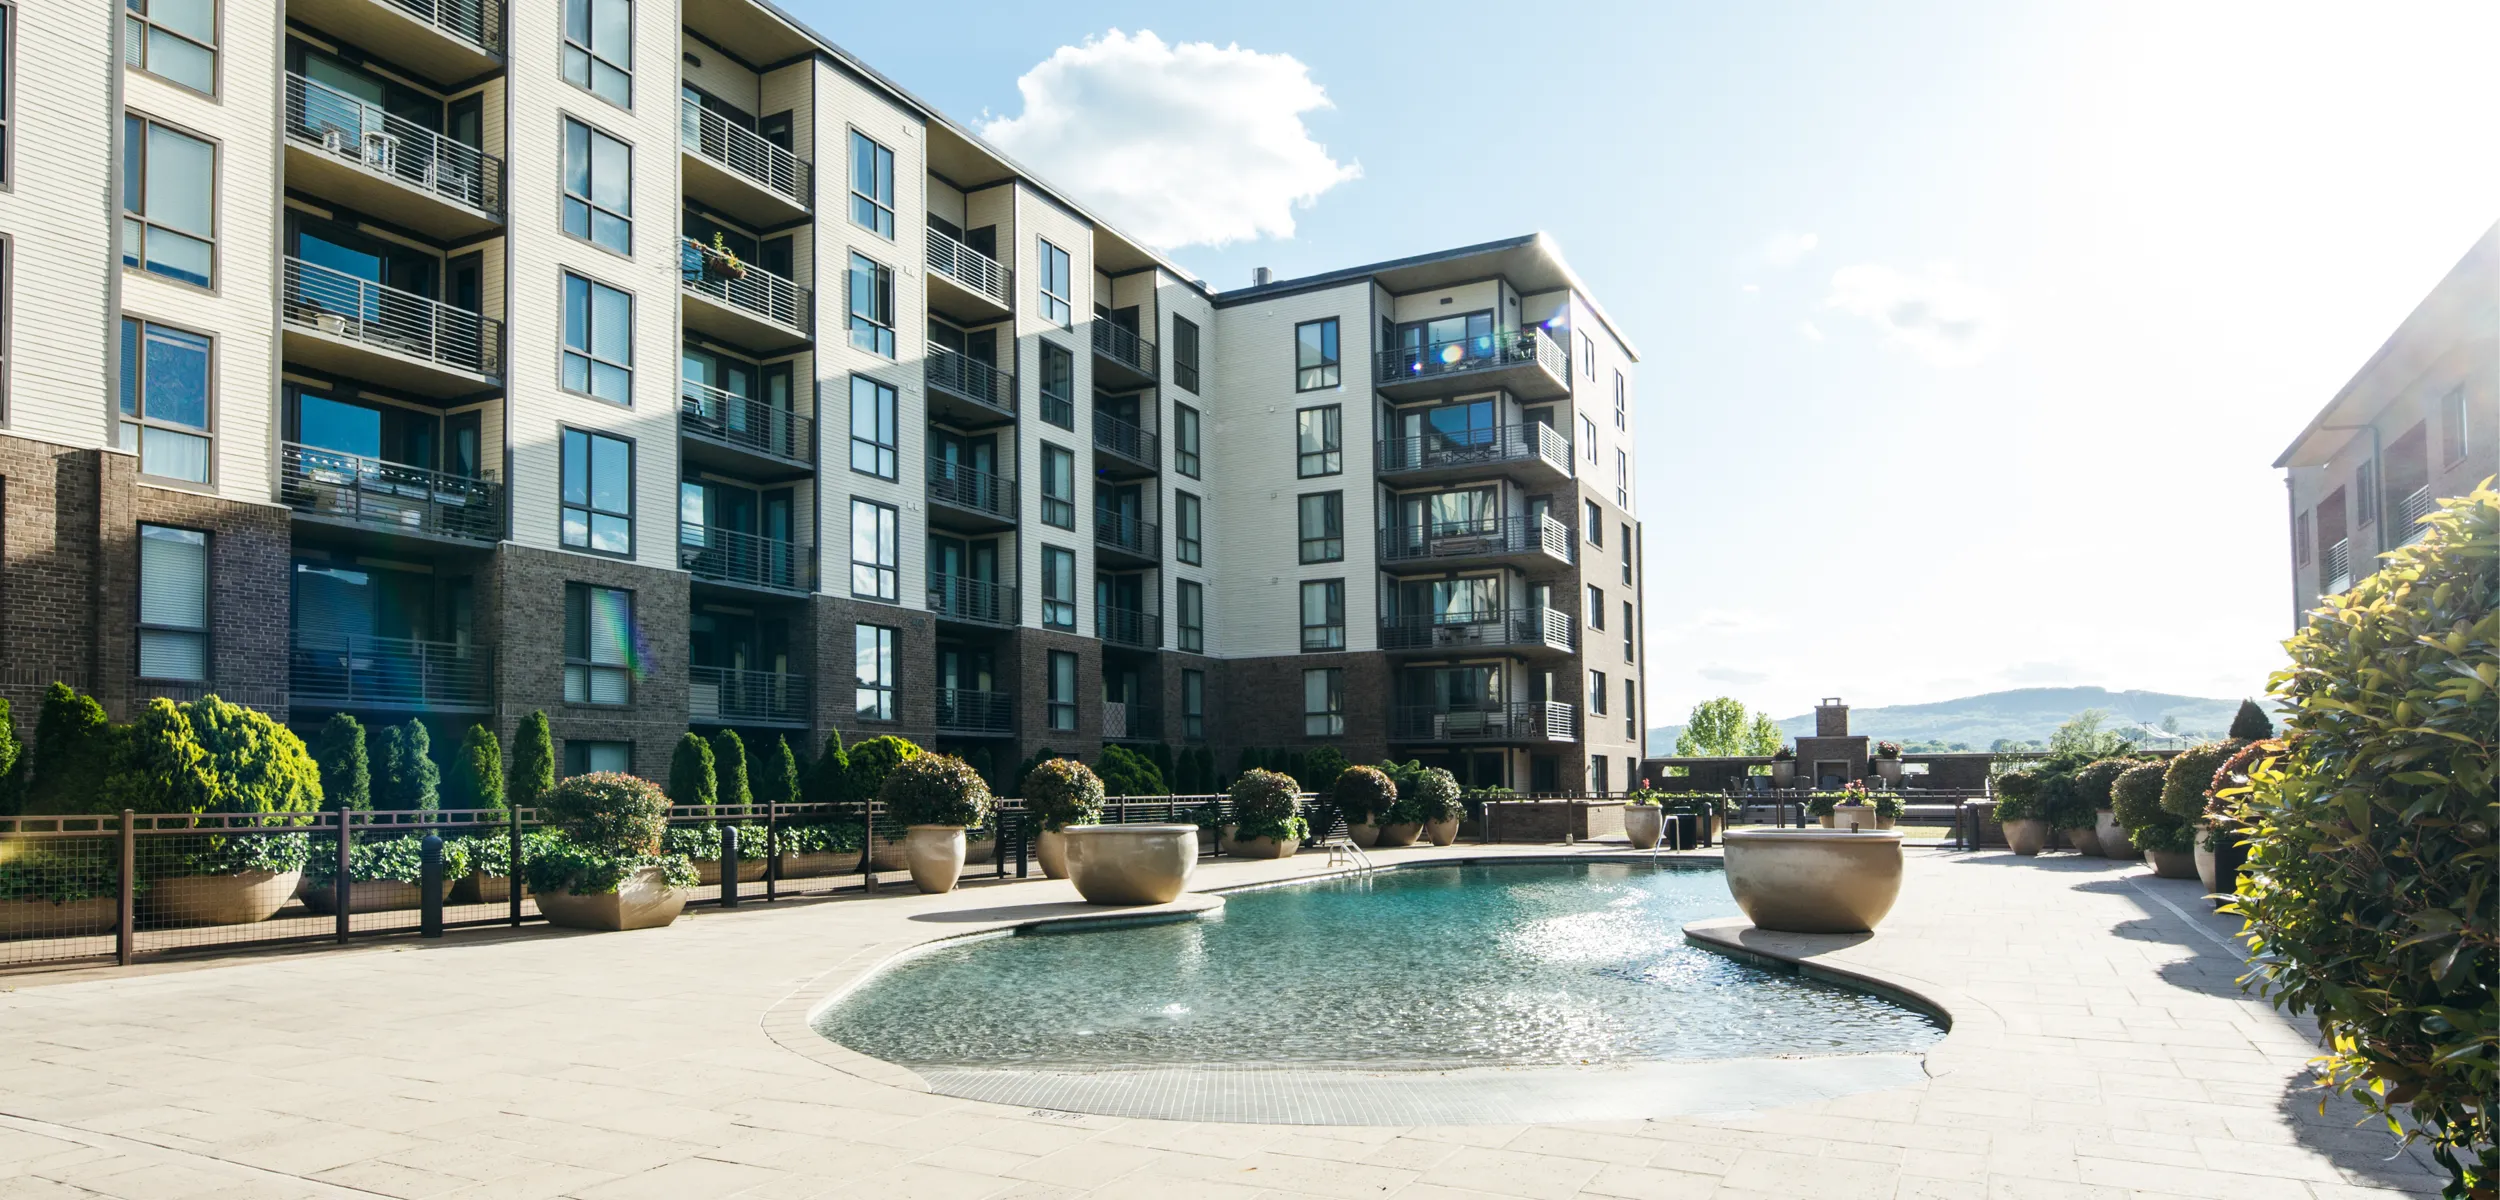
(1783,774)
(1366,834)
(2085,842)
(35,917)
(1812,881)
(242,898)
(1261,847)
(812,863)
(2219,870)
(2026,837)
(2207,872)
(1402,833)
(1882,821)
(888,855)
(369,895)
(1051,847)
(2114,840)
(1848,818)
(642,900)
(1644,823)
(935,856)
(1442,833)
(2172,864)
(1889,768)
(1131,864)
(707,871)
(481,888)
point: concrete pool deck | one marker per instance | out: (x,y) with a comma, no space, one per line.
(2099,1051)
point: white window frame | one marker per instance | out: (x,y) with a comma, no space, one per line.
(882,570)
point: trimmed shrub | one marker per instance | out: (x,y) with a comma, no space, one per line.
(609,813)
(400,858)
(829,778)
(1432,796)
(936,789)
(1060,792)
(533,762)
(2226,796)
(2092,783)
(8,752)
(346,774)
(408,780)
(2018,796)
(2062,802)
(252,765)
(729,769)
(777,774)
(1321,768)
(690,777)
(73,754)
(2249,724)
(158,765)
(1266,804)
(2188,775)
(475,780)
(2136,803)
(1125,772)
(1363,794)
(871,762)
(1251,759)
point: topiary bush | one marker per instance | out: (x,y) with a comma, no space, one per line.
(8,758)
(158,764)
(1321,767)
(777,774)
(829,778)
(2018,796)
(690,772)
(1363,795)
(1060,792)
(475,781)
(936,789)
(346,774)
(608,812)
(408,780)
(2062,802)
(74,752)
(1125,772)
(2092,782)
(870,762)
(729,769)
(250,765)
(2249,724)
(2136,803)
(1267,804)
(1433,796)
(533,763)
(2368,889)
(2187,776)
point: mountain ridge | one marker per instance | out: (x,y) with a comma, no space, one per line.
(2016,714)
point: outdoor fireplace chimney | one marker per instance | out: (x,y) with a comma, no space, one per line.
(1831,718)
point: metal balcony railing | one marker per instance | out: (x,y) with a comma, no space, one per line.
(2410,509)
(952,483)
(477,22)
(1125,721)
(361,133)
(1125,348)
(742,151)
(749,288)
(728,695)
(1508,347)
(1126,440)
(1492,629)
(387,495)
(360,310)
(729,556)
(1528,722)
(962,598)
(977,272)
(745,422)
(1120,531)
(1491,446)
(1473,538)
(963,375)
(338,671)
(1128,627)
(2335,567)
(962,710)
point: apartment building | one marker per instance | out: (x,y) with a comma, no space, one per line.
(2419,422)
(373,411)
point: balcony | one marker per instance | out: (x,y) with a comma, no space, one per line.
(1134,452)
(1532,363)
(1128,627)
(743,435)
(966,284)
(963,498)
(344,149)
(1520,541)
(1536,631)
(347,489)
(1122,359)
(339,323)
(2409,511)
(1535,721)
(443,40)
(966,392)
(329,671)
(729,696)
(967,713)
(1533,451)
(2335,568)
(733,169)
(1123,721)
(973,601)
(717,555)
(744,305)
(1123,540)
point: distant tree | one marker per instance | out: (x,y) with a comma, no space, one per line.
(729,769)
(2170,725)
(533,762)
(2249,724)
(346,774)
(2084,737)
(1763,737)
(1716,728)
(690,778)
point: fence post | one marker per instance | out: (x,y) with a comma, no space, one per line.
(126,919)
(729,864)
(430,886)
(512,863)
(344,889)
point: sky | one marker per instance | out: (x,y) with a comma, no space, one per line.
(1968,332)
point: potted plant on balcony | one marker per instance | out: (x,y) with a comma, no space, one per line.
(722,263)
(2167,842)
(2019,812)
(2092,786)
(1058,793)
(1267,816)
(2063,806)
(2185,780)
(1644,819)
(603,866)
(1364,796)
(936,797)
(1783,766)
(1434,799)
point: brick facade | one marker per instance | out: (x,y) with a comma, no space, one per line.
(520,605)
(834,621)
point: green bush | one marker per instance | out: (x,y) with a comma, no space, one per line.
(2136,803)
(252,765)
(870,762)
(2018,796)
(2187,777)
(74,753)
(2062,802)
(1434,796)
(346,775)
(1266,804)
(2249,724)
(400,858)
(823,837)
(729,769)
(607,812)
(690,772)
(62,871)
(829,777)
(475,781)
(777,775)
(8,758)
(1321,767)
(936,789)
(1060,792)
(702,840)
(1363,795)
(2092,783)
(1125,772)
(490,853)
(533,762)
(408,780)
(568,866)
(2368,887)
(2226,797)
(158,764)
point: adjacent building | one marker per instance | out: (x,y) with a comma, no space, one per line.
(374,409)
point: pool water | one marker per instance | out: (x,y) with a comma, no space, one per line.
(1428,967)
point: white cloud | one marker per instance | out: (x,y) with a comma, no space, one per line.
(1935,314)
(1735,675)
(1182,145)
(1811,332)
(1785,249)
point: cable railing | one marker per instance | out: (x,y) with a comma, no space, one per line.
(959,374)
(1125,531)
(975,271)
(339,671)
(744,286)
(963,598)
(730,556)
(1491,628)
(2410,509)
(956,485)
(744,421)
(1530,721)
(1126,439)
(1125,348)
(388,495)
(1488,446)
(477,22)
(334,302)
(731,695)
(962,710)
(1477,537)
(1506,348)
(1128,627)
(348,128)
(1127,721)
(744,152)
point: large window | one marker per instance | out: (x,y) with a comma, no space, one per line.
(1058,588)
(1192,598)
(1588,439)
(583,757)
(1058,386)
(1058,487)
(1062,697)
(169,202)
(1597,607)
(872,185)
(598,492)
(1319,437)
(598,645)
(598,187)
(1315,355)
(1594,519)
(1185,353)
(873,434)
(173,39)
(2453,434)
(1193,704)
(1597,692)
(876,551)
(1187,519)
(599,48)
(873,647)
(598,340)
(1323,614)
(8,90)
(872,305)
(1056,306)
(164,401)
(1185,440)
(1323,702)
(173,603)
(1322,520)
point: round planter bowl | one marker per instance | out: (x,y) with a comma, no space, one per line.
(1051,847)
(2172,864)
(707,870)
(642,900)
(2026,837)
(35,917)
(242,898)
(1855,818)
(1131,864)
(1402,833)
(1811,881)
(2113,837)
(810,864)
(1366,835)
(1442,832)
(480,888)
(368,895)
(1643,823)
(2085,842)
(888,855)
(935,854)
(1261,847)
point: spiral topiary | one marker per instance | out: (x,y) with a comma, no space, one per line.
(936,789)
(1266,804)
(1060,792)
(1363,794)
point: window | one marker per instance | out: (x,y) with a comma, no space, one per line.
(873,437)
(173,39)
(1058,386)
(169,202)
(1597,775)
(1626,545)
(873,651)
(1185,353)
(2452,430)
(876,541)
(1320,438)
(1193,704)
(1627,631)
(1323,614)
(588,758)
(1185,440)
(1193,601)
(598,187)
(1631,722)
(1597,692)
(164,401)
(872,185)
(1588,356)
(1323,527)
(599,48)
(1315,355)
(8,60)
(1188,517)
(1623,479)
(1058,588)
(1056,308)
(1058,487)
(2300,539)
(1597,607)
(872,306)
(1588,438)
(598,340)
(173,603)
(1062,687)
(1621,415)
(1323,702)
(1593,519)
(598,512)
(2365,488)
(598,645)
